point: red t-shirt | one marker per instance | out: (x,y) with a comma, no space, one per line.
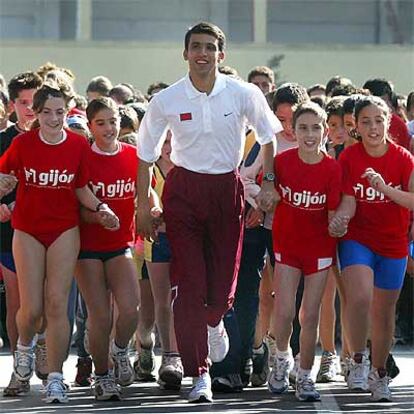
(399,132)
(379,223)
(308,191)
(113,181)
(48,175)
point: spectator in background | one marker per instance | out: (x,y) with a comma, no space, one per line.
(4,112)
(129,120)
(263,77)
(98,86)
(125,93)
(335,82)
(155,88)
(317,90)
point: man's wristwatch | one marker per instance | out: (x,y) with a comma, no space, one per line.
(269,177)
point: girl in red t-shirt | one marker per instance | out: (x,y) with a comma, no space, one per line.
(50,165)
(373,253)
(308,181)
(105,260)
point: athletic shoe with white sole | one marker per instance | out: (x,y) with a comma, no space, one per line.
(56,390)
(278,382)
(305,389)
(218,342)
(105,388)
(378,385)
(201,391)
(171,372)
(358,373)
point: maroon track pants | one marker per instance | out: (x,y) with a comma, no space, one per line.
(203,215)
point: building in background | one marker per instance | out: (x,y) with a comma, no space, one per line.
(256,29)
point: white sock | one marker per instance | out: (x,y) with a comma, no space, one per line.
(54,376)
(116,348)
(304,372)
(283,354)
(25,348)
(260,350)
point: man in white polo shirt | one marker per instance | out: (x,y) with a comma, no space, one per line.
(203,197)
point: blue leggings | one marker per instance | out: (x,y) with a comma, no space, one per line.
(388,272)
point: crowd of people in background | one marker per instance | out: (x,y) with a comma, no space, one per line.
(215,218)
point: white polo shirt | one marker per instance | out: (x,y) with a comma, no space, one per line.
(208,130)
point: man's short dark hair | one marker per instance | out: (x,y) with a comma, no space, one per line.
(209,29)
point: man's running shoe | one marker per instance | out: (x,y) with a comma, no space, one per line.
(201,391)
(218,342)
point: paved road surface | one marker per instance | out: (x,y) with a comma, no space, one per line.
(148,398)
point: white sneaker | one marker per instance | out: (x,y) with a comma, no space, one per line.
(171,372)
(56,390)
(328,369)
(358,375)
(123,371)
(378,386)
(218,342)
(23,364)
(305,389)
(278,382)
(105,388)
(201,391)
(41,368)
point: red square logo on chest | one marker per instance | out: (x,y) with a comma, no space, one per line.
(186,116)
